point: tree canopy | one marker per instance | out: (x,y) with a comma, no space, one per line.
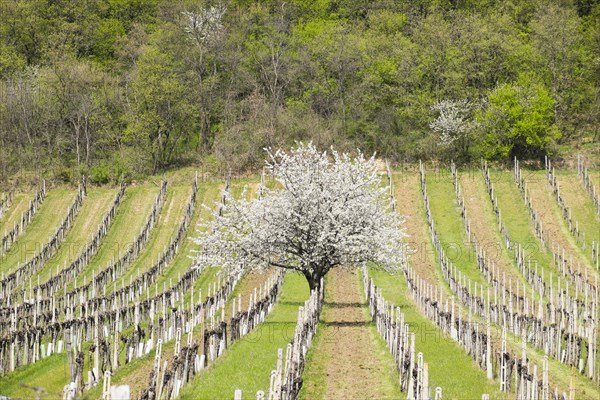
(328,210)
(111,87)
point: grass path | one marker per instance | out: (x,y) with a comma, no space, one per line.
(450,367)
(43,225)
(348,358)
(95,206)
(484,228)
(13,214)
(247,364)
(449,226)
(582,208)
(129,220)
(515,216)
(553,224)
(163,232)
(410,206)
(559,374)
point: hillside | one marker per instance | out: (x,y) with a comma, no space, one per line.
(149,313)
(129,87)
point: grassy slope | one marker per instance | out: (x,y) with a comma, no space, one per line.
(322,353)
(248,363)
(446,215)
(41,372)
(554,225)
(13,214)
(129,220)
(49,375)
(559,374)
(96,205)
(52,371)
(515,216)
(43,225)
(165,229)
(581,205)
(485,229)
(449,365)
(207,194)
(137,373)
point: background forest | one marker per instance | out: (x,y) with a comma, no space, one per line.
(111,87)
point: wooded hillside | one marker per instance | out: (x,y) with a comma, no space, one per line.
(112,87)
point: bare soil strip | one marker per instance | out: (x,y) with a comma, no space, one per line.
(552,222)
(484,228)
(409,204)
(351,360)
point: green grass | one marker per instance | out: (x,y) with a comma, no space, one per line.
(50,374)
(129,220)
(515,216)
(13,214)
(448,223)
(320,355)
(208,193)
(549,210)
(485,221)
(248,363)
(95,206)
(449,366)
(163,232)
(43,225)
(582,207)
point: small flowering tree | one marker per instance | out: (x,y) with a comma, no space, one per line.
(330,210)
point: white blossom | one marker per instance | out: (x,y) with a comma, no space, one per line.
(204,26)
(329,210)
(453,119)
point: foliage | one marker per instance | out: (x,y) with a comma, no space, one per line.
(330,211)
(519,121)
(454,123)
(153,84)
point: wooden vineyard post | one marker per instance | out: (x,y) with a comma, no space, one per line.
(97,346)
(572,384)
(69,354)
(545,388)
(106,386)
(157,359)
(115,359)
(13,328)
(411,381)
(488,350)
(237,395)
(503,366)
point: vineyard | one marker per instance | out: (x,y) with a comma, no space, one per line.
(497,295)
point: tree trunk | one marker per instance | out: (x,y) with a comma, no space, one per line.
(314,278)
(313,284)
